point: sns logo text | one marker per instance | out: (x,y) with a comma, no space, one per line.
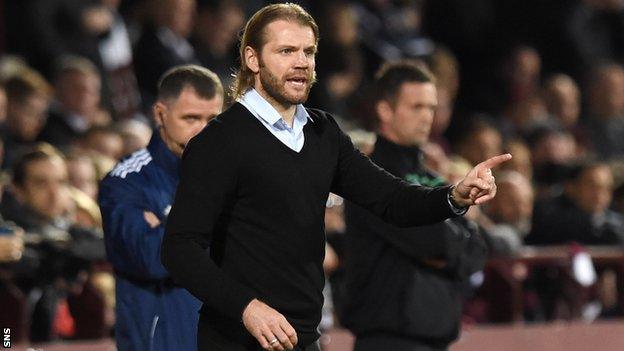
(6,338)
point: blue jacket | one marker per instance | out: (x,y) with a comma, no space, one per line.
(152,313)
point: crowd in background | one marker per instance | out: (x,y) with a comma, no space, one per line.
(543,80)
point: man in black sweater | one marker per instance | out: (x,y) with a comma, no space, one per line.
(253,187)
(404,285)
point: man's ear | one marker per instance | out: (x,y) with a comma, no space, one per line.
(18,191)
(159,109)
(251,59)
(384,111)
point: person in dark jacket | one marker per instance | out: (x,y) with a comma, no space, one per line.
(163,44)
(581,213)
(135,198)
(404,285)
(77,105)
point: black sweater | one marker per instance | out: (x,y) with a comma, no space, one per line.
(259,206)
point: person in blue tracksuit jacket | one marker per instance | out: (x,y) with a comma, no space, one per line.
(152,312)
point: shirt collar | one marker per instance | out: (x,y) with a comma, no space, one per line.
(258,105)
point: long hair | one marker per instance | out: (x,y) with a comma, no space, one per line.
(254,37)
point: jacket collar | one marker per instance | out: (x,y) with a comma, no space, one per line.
(162,156)
(390,148)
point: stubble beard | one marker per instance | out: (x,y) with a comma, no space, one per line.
(275,88)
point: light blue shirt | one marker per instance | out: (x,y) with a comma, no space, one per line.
(273,121)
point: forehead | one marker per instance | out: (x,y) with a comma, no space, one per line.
(282,32)
(46,168)
(189,101)
(413,91)
(79,76)
(601,173)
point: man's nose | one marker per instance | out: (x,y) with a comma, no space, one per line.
(302,59)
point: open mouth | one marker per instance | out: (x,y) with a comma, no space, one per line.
(297,81)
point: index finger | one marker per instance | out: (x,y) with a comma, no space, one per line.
(495,161)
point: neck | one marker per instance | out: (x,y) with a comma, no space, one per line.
(171,144)
(392,137)
(286,110)
(389,135)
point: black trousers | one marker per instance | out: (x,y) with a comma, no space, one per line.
(209,339)
(385,342)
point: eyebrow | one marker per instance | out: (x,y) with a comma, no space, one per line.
(288,46)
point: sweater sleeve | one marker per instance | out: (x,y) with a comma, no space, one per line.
(207,186)
(362,182)
(436,241)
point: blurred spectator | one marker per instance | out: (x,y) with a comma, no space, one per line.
(105,141)
(562,98)
(592,33)
(11,65)
(446,70)
(524,108)
(82,174)
(77,106)
(605,104)
(581,214)
(392,30)
(340,61)
(120,89)
(28,96)
(442,119)
(135,134)
(522,74)
(40,202)
(11,242)
(521,161)
(478,141)
(93,29)
(445,67)
(552,150)
(552,145)
(64,27)
(216,34)
(511,212)
(163,44)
